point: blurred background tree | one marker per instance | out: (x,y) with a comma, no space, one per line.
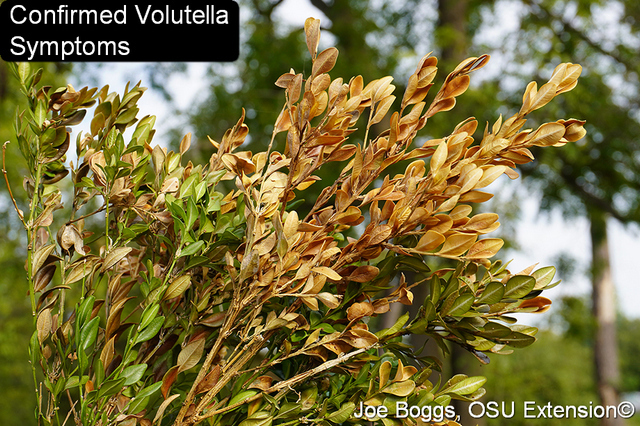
(597,179)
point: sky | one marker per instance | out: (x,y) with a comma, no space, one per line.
(542,237)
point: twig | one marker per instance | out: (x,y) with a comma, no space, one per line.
(4,171)
(287,383)
(87,215)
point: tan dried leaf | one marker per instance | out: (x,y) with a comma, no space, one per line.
(364,273)
(360,338)
(80,269)
(69,236)
(485,248)
(185,143)
(190,355)
(163,407)
(324,62)
(330,300)
(430,241)
(178,286)
(312,34)
(359,310)
(44,276)
(546,93)
(285,79)
(382,109)
(383,374)
(115,256)
(456,86)
(40,256)
(310,302)
(327,272)
(456,244)
(546,135)
(43,325)
(489,175)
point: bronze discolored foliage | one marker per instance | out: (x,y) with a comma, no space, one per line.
(172,293)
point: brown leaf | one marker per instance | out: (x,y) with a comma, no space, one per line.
(359,310)
(80,269)
(327,272)
(544,95)
(574,129)
(457,86)
(170,185)
(263,383)
(168,380)
(381,306)
(285,79)
(115,256)
(330,300)
(456,244)
(185,143)
(482,223)
(353,216)
(312,34)
(43,325)
(310,302)
(190,355)
(209,381)
(546,135)
(69,236)
(541,304)
(294,89)
(44,276)
(359,338)
(490,174)
(443,105)
(485,248)
(324,62)
(430,241)
(163,407)
(382,109)
(364,273)
(178,286)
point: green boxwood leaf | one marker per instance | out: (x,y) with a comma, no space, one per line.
(543,277)
(89,333)
(133,373)
(110,387)
(343,413)
(241,396)
(518,340)
(461,305)
(493,293)
(519,286)
(150,331)
(192,248)
(467,386)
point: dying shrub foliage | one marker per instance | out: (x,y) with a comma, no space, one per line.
(160,297)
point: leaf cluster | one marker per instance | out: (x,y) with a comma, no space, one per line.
(200,303)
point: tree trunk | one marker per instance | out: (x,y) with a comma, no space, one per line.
(453,38)
(452,29)
(604,312)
